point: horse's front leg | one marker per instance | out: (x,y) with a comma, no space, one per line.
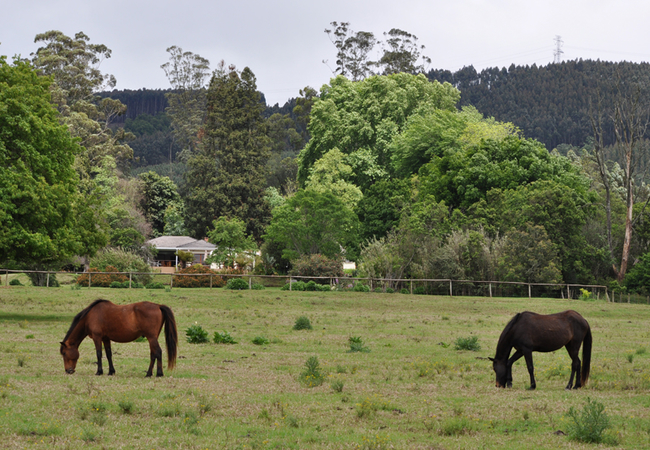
(109,356)
(509,364)
(531,369)
(98,350)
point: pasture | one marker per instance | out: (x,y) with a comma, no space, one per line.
(410,389)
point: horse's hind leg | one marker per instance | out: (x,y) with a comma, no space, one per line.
(109,356)
(575,367)
(531,369)
(156,356)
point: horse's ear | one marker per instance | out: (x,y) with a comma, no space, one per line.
(62,343)
(491,359)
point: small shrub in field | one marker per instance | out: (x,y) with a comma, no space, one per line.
(390,290)
(312,375)
(15,282)
(337,385)
(223,338)
(302,323)
(469,343)
(257,287)
(357,345)
(404,291)
(237,284)
(126,406)
(419,290)
(260,340)
(196,334)
(591,424)
(119,285)
(155,285)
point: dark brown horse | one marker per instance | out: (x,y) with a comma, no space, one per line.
(528,332)
(104,322)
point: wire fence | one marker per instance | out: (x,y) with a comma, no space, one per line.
(440,287)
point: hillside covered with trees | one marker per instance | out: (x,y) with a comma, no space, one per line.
(437,175)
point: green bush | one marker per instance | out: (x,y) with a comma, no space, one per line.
(357,345)
(390,290)
(155,285)
(404,291)
(121,261)
(119,285)
(223,338)
(237,284)
(590,425)
(302,323)
(196,334)
(360,287)
(257,287)
(295,286)
(312,375)
(260,340)
(316,266)
(469,343)
(15,282)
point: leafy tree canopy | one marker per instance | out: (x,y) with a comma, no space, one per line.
(313,222)
(366,116)
(42,216)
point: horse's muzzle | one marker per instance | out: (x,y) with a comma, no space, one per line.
(69,371)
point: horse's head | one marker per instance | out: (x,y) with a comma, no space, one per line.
(501,371)
(70,357)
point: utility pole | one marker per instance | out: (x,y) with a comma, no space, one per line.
(557,53)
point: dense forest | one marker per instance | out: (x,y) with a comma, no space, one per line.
(551,103)
(532,174)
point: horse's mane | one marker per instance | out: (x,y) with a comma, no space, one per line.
(80,316)
(507,329)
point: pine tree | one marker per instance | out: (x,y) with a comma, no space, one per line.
(226,175)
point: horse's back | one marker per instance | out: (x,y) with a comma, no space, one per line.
(125,323)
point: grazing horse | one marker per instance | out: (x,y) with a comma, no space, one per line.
(528,332)
(104,322)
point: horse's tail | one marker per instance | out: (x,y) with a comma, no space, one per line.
(171,335)
(586,357)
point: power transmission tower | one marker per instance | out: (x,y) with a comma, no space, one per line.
(557,53)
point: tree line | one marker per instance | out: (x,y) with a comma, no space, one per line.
(401,172)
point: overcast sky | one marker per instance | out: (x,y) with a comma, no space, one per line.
(284,44)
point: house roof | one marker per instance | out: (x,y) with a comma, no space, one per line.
(180,243)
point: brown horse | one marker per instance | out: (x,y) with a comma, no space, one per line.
(104,322)
(528,332)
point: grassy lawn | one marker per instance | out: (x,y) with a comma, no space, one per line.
(409,389)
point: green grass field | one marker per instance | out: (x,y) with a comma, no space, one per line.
(411,390)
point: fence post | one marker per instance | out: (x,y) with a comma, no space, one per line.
(451,289)
(47,283)
(568,293)
(171,280)
(130,279)
(210,281)
(411,287)
(290,284)
(90,279)
(529,296)
(250,283)
(6,277)
(490,284)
